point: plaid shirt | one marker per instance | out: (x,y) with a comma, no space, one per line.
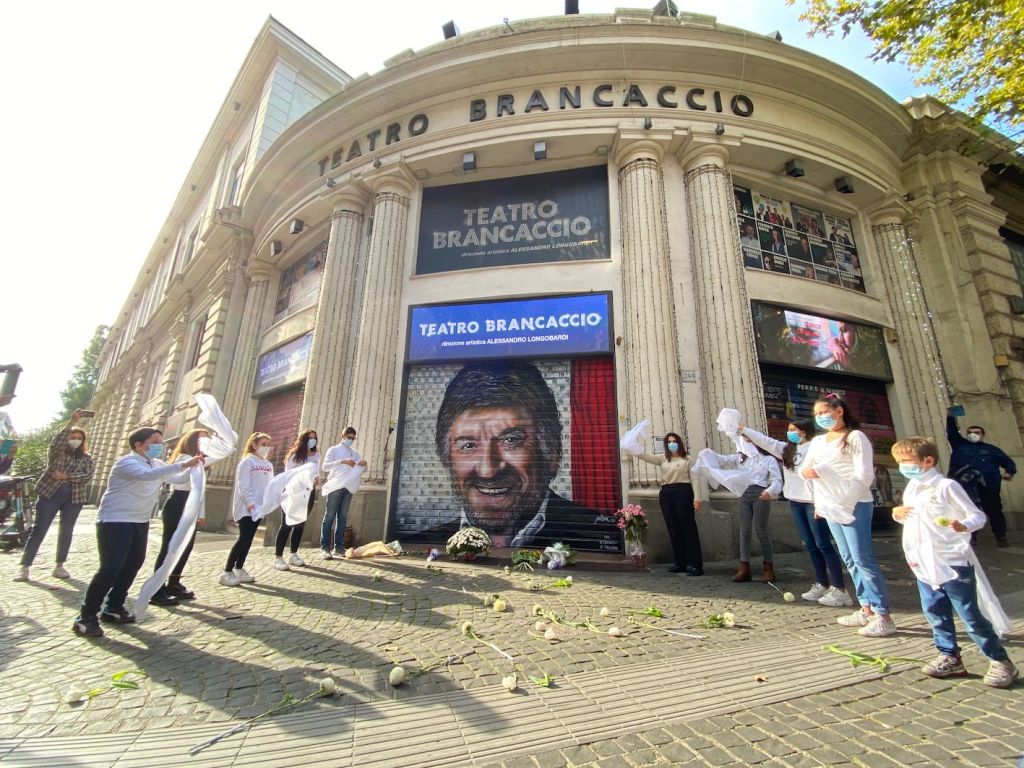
(78,468)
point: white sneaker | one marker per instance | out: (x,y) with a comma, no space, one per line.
(879,626)
(326,555)
(22,574)
(296,560)
(243,576)
(280,564)
(816,591)
(228,579)
(61,572)
(856,619)
(836,598)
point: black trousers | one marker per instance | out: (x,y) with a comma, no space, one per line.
(246,531)
(676,502)
(992,505)
(171,514)
(295,530)
(122,550)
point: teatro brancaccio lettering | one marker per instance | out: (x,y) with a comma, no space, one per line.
(567,97)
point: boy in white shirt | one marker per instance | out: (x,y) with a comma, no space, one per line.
(938,518)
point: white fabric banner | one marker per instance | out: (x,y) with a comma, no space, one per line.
(221,444)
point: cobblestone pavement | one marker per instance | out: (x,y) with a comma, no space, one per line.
(234,652)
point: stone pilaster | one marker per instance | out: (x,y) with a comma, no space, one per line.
(730,376)
(649,337)
(924,372)
(329,378)
(371,405)
(238,398)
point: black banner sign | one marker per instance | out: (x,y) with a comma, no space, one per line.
(559,216)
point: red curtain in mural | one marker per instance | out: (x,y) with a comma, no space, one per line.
(594,435)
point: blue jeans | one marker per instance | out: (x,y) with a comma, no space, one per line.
(47,508)
(828,568)
(854,544)
(961,594)
(336,512)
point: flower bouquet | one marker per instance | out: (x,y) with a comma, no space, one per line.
(526,559)
(559,555)
(633,523)
(468,541)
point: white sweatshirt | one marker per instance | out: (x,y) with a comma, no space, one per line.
(251,480)
(794,487)
(854,465)
(134,487)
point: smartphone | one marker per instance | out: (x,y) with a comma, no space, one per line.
(958,411)
(86,414)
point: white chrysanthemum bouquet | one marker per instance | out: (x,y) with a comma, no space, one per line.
(468,539)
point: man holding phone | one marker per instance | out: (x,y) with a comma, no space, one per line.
(980,468)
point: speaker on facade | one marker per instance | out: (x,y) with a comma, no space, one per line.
(572,7)
(844,185)
(450,30)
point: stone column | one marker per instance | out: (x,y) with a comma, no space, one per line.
(730,376)
(238,397)
(919,350)
(371,403)
(329,378)
(649,337)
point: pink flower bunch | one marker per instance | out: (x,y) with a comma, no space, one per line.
(632,520)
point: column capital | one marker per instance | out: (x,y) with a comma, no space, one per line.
(640,144)
(891,209)
(393,177)
(353,197)
(259,271)
(704,149)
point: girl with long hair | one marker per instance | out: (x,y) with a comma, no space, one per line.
(61,489)
(173,591)
(828,588)
(252,477)
(840,466)
(303,451)
(678,505)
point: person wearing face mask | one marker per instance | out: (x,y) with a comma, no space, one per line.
(302,451)
(340,486)
(937,517)
(61,488)
(840,466)
(678,505)
(252,476)
(981,468)
(122,527)
(828,588)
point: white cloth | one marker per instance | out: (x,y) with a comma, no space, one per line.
(634,442)
(290,490)
(341,475)
(830,493)
(932,549)
(709,467)
(133,488)
(729,420)
(219,445)
(854,464)
(794,486)
(252,476)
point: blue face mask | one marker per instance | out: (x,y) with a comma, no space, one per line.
(673,447)
(155,450)
(825,421)
(347,441)
(793,437)
(910,471)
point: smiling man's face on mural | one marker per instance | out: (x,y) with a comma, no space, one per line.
(496,466)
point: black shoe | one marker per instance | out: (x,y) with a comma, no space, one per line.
(1002,542)
(87,627)
(163,597)
(694,571)
(180,591)
(676,569)
(118,616)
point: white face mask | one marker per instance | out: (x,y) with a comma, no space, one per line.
(263,451)
(74,443)
(974,437)
(311,442)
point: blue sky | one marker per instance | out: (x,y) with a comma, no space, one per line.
(108,104)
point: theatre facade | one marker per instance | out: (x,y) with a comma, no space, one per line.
(496,255)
